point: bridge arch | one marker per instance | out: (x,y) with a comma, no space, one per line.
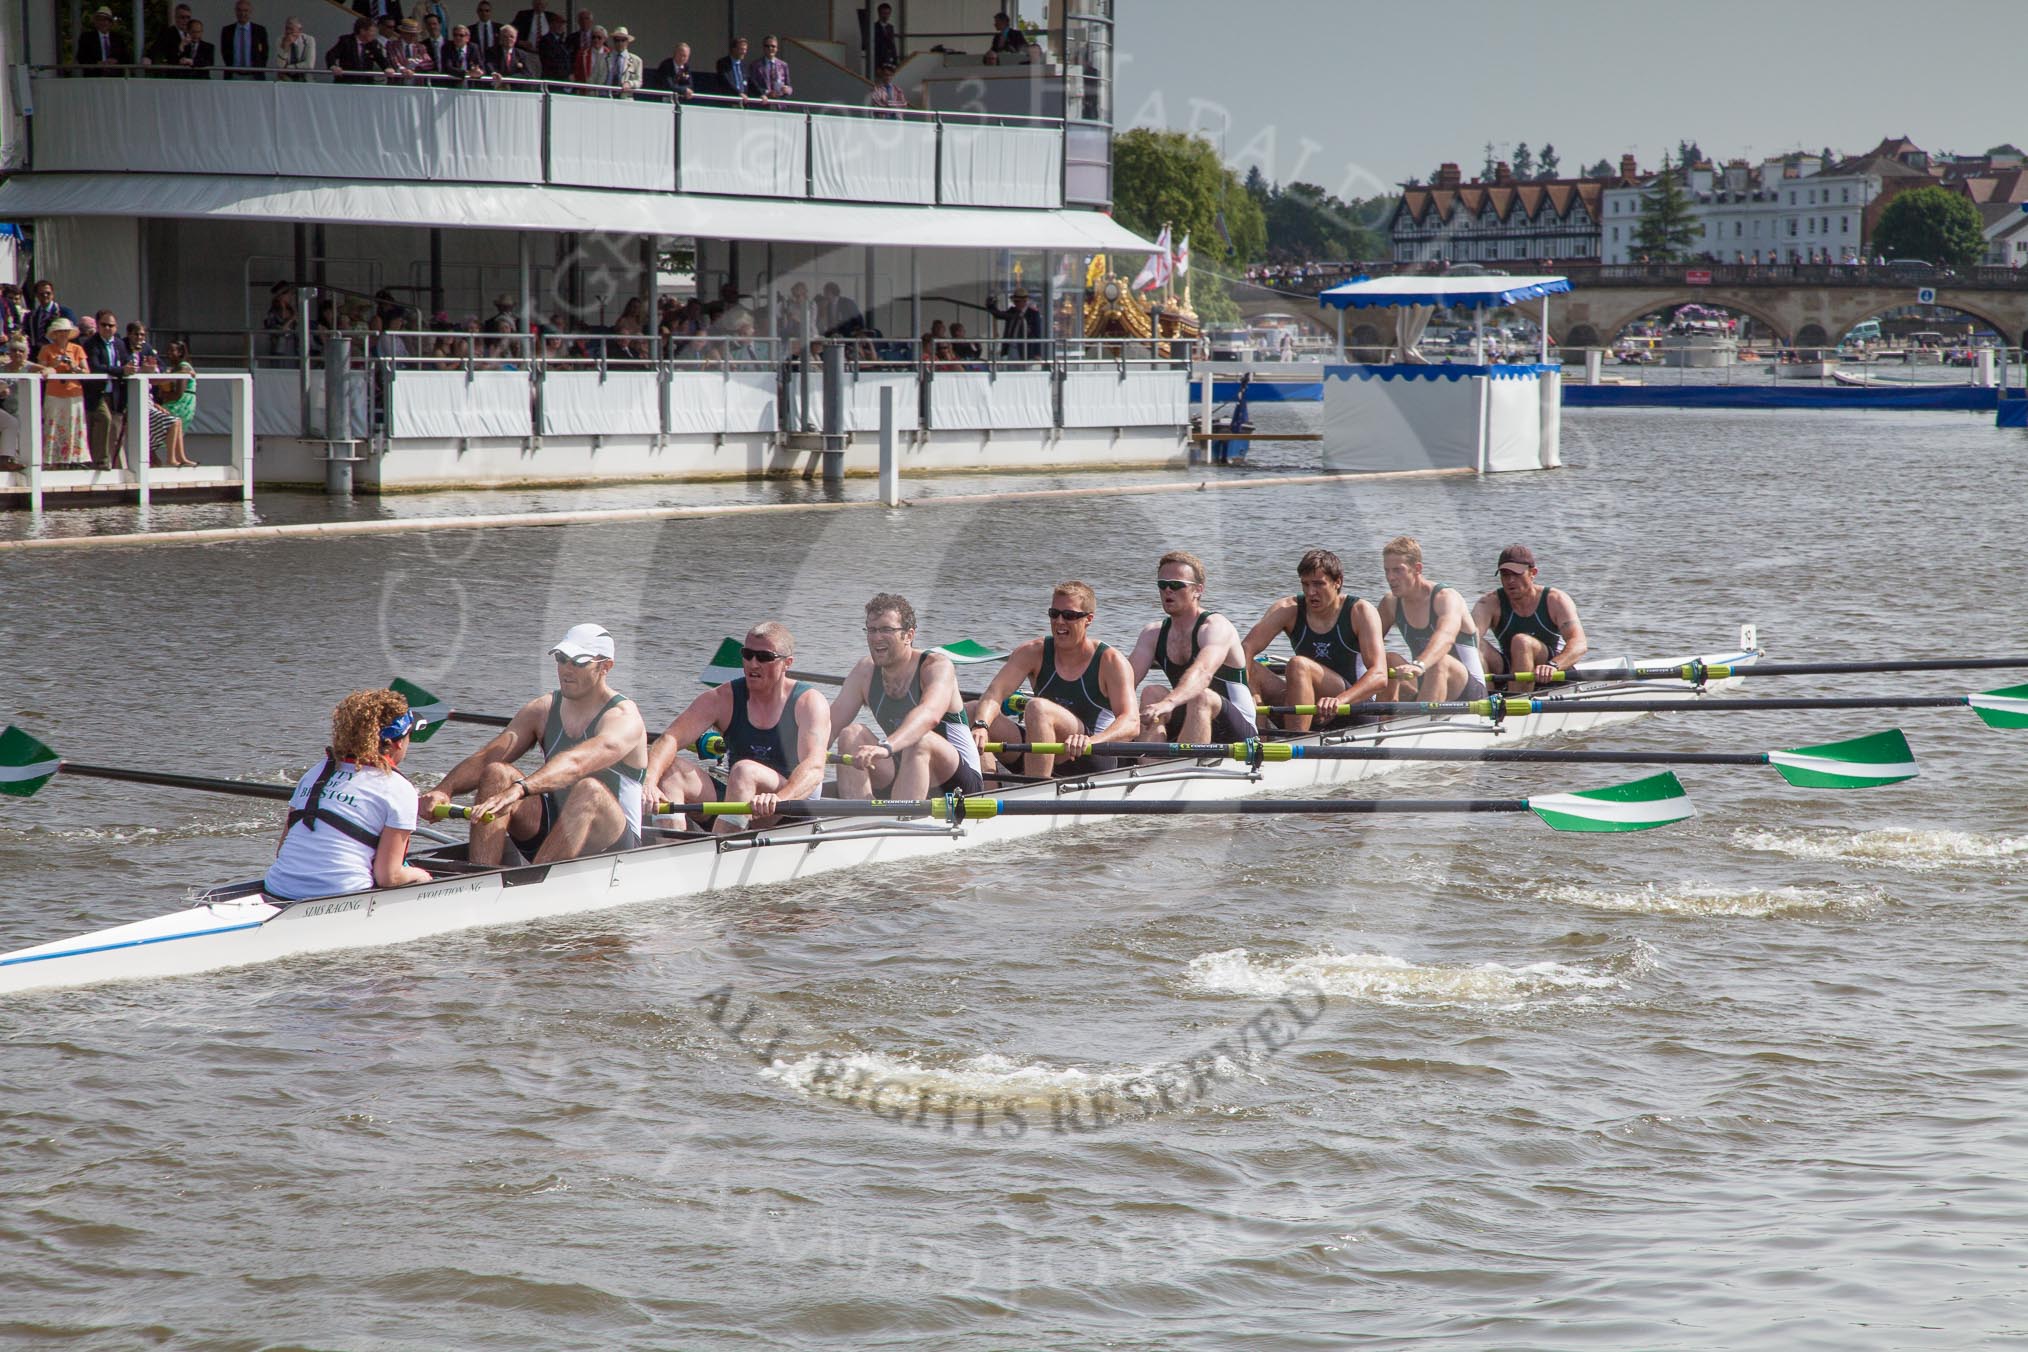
(1614,322)
(1849,317)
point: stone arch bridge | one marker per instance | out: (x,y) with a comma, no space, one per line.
(1805,305)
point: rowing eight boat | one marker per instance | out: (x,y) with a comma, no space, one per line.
(234,926)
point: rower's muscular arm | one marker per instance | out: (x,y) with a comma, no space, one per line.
(1116,683)
(510,744)
(813,736)
(852,695)
(1568,625)
(1271,626)
(1484,611)
(1447,618)
(939,685)
(712,709)
(1021,666)
(1373,649)
(1144,656)
(620,731)
(1219,636)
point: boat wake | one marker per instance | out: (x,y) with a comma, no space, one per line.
(908,1087)
(1913,850)
(139,835)
(1692,899)
(1386,979)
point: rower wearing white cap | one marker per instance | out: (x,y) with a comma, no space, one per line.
(585,797)
(776,734)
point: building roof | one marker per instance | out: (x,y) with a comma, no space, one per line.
(1427,205)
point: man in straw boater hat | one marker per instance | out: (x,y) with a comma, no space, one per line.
(585,797)
(1525,626)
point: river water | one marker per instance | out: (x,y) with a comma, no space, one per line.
(1756,1080)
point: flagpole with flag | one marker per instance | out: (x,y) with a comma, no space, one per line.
(1155,272)
(1183,270)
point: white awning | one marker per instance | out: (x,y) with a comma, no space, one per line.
(478,207)
(1483,291)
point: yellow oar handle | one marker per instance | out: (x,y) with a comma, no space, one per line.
(1528,677)
(444,812)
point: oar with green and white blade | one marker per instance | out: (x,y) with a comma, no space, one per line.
(2003,708)
(1882,758)
(1639,806)
(25,764)
(425,705)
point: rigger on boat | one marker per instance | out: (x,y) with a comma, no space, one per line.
(913,697)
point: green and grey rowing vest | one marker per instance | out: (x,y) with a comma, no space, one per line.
(1081,696)
(1535,626)
(773,747)
(1336,647)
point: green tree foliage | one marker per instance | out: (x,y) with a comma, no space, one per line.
(1492,164)
(1306,224)
(1524,161)
(1546,164)
(1666,231)
(1175,179)
(1257,186)
(2004,150)
(1933,224)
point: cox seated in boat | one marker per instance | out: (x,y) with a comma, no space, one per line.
(1440,639)
(351,816)
(585,797)
(923,746)
(1084,689)
(1199,650)
(1338,657)
(776,733)
(1525,626)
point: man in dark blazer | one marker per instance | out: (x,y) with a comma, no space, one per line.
(673,75)
(533,23)
(194,56)
(244,44)
(1021,331)
(106,400)
(886,42)
(739,76)
(99,46)
(435,42)
(485,31)
(509,61)
(464,60)
(45,310)
(166,42)
(357,55)
(552,50)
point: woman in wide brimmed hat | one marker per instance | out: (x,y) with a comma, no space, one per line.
(64,443)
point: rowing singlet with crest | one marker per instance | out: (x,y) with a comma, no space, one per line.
(888,711)
(1336,648)
(773,747)
(623,780)
(1536,626)
(1081,696)
(1466,649)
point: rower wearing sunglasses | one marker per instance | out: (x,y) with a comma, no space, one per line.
(776,734)
(1084,690)
(585,797)
(1200,652)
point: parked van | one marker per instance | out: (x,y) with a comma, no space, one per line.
(1868,332)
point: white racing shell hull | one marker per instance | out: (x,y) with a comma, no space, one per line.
(237,927)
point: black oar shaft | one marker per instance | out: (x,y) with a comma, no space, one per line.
(1837,668)
(1529,755)
(1667,706)
(240,787)
(1087,807)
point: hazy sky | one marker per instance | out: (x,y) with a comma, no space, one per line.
(1349,92)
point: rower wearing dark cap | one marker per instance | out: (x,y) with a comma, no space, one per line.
(1524,626)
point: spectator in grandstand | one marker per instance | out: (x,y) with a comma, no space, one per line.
(508,62)
(625,71)
(245,44)
(297,52)
(357,55)
(673,75)
(106,400)
(65,443)
(887,95)
(99,47)
(773,71)
(552,50)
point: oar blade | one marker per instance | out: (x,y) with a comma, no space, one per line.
(2003,708)
(433,711)
(25,764)
(1638,806)
(724,664)
(1862,762)
(965,651)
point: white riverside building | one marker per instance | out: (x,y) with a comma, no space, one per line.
(183,201)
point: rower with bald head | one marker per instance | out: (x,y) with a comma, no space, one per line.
(1336,640)
(1525,626)
(776,732)
(1084,689)
(1440,636)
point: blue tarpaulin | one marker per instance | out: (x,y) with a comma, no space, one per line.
(1966,398)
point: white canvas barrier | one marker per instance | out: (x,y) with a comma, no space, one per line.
(873,159)
(579,404)
(1552,419)
(862,401)
(1105,397)
(278,405)
(721,402)
(242,127)
(450,404)
(1400,422)
(977,400)
(1513,424)
(744,153)
(612,143)
(1001,166)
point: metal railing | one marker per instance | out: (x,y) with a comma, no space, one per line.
(1591,272)
(137,473)
(1875,366)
